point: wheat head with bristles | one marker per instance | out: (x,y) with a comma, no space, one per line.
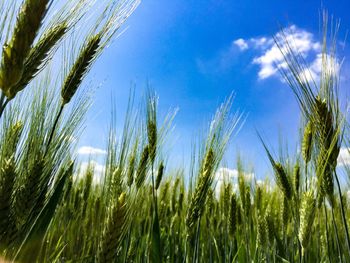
(262,232)
(16,50)
(307,215)
(201,190)
(159,175)
(281,177)
(7,181)
(175,188)
(233,215)
(258,198)
(152,131)
(285,213)
(131,169)
(282,180)
(307,142)
(26,195)
(141,171)
(324,176)
(296,178)
(112,233)
(40,54)
(80,68)
(98,38)
(271,225)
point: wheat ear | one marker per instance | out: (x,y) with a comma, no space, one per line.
(112,233)
(16,50)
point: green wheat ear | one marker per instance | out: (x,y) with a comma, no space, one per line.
(131,169)
(296,178)
(258,199)
(200,192)
(152,131)
(324,176)
(307,215)
(159,174)
(285,211)
(248,201)
(306,146)
(233,215)
(16,50)
(141,171)
(271,225)
(132,251)
(262,232)
(281,177)
(39,55)
(80,68)
(26,195)
(7,180)
(114,227)
(282,180)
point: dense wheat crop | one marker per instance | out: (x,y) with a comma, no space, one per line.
(140,209)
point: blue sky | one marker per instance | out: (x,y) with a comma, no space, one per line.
(195,53)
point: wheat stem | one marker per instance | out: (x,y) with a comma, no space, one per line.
(342,211)
(327,233)
(3,106)
(2,98)
(54,128)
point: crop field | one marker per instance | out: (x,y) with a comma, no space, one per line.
(141,208)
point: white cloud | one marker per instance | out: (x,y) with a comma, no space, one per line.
(271,59)
(268,56)
(241,43)
(261,42)
(88,150)
(344,157)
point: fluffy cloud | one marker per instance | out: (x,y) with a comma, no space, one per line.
(88,150)
(270,58)
(241,44)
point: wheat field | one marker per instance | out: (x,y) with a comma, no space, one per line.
(139,209)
